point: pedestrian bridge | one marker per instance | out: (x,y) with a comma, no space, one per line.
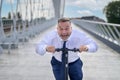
(18,39)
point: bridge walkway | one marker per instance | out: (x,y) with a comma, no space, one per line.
(24,64)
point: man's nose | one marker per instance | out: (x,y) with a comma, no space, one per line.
(64,31)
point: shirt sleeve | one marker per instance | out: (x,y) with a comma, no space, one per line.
(92,47)
(41,47)
(90,43)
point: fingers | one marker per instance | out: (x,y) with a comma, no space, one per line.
(83,48)
(50,49)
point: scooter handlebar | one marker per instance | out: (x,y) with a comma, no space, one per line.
(66,49)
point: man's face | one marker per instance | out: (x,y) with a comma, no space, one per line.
(64,29)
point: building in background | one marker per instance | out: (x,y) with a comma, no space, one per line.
(92,18)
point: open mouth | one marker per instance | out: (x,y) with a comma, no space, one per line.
(64,35)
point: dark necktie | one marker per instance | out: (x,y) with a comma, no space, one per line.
(65,61)
(63,52)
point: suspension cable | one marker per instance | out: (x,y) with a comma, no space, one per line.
(13,29)
(1,23)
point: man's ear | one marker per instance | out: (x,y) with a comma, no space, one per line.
(57,27)
(71,27)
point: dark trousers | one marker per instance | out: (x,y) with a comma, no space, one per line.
(75,69)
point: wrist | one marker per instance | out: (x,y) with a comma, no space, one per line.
(86,49)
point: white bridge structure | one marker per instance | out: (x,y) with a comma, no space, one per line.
(27,19)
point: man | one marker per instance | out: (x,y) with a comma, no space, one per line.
(74,39)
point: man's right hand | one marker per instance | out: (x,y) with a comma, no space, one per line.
(50,49)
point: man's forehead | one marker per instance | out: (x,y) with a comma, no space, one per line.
(64,26)
(64,23)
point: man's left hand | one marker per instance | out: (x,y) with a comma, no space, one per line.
(83,48)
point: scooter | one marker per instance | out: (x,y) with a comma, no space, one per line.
(65,65)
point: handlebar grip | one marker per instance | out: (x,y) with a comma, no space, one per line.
(58,49)
(61,49)
(75,50)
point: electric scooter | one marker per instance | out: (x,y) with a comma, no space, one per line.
(65,65)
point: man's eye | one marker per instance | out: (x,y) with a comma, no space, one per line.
(61,29)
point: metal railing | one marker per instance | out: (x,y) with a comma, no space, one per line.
(108,31)
(33,20)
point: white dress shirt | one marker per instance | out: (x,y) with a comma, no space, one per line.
(75,40)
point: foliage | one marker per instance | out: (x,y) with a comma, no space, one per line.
(18,15)
(112,12)
(9,15)
(3,17)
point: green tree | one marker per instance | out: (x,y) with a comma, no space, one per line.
(112,12)
(18,15)
(3,17)
(9,15)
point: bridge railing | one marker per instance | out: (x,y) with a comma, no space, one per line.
(34,15)
(108,31)
(22,34)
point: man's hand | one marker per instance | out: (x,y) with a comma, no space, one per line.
(50,49)
(83,48)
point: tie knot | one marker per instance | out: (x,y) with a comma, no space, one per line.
(64,44)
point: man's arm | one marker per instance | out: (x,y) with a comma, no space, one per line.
(41,48)
(45,45)
(89,45)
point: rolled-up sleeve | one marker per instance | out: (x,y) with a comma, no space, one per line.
(92,47)
(41,48)
(91,44)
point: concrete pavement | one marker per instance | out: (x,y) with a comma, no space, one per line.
(25,64)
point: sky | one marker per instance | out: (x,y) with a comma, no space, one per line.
(79,8)
(73,8)
(6,7)
(35,6)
